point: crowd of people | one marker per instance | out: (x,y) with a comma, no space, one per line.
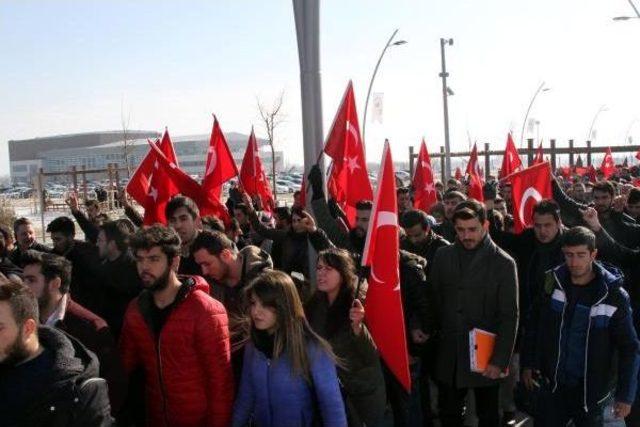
(262,321)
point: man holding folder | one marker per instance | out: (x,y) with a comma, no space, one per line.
(476,287)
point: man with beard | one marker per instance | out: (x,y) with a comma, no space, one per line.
(119,272)
(49,276)
(619,225)
(179,336)
(580,327)
(403,195)
(86,282)
(25,239)
(632,207)
(476,286)
(183,216)
(450,200)
(46,377)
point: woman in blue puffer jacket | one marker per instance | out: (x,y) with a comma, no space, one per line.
(288,375)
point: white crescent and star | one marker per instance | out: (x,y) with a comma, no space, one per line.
(529,193)
(385,218)
(213,160)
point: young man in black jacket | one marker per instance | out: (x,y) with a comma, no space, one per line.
(46,377)
(118,269)
(86,282)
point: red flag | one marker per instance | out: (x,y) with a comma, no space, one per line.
(473,167)
(475,176)
(539,155)
(220,166)
(528,188)
(138,185)
(349,181)
(423,183)
(511,160)
(638,155)
(209,204)
(252,176)
(591,173)
(458,174)
(608,167)
(161,187)
(636,182)
(384,302)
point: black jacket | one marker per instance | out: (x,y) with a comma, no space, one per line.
(426,249)
(446,230)
(90,229)
(121,285)
(69,393)
(533,259)
(86,282)
(473,290)
(16,255)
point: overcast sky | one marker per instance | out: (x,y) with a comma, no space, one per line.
(74,66)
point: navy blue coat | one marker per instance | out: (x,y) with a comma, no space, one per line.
(272,396)
(610,330)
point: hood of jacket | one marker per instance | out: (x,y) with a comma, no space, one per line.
(254,261)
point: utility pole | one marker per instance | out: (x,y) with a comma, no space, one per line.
(445,105)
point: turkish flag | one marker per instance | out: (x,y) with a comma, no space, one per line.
(475,176)
(220,166)
(348,182)
(458,174)
(528,188)
(539,155)
(252,176)
(511,160)
(138,185)
(384,314)
(424,190)
(161,187)
(473,167)
(608,167)
(591,173)
(208,204)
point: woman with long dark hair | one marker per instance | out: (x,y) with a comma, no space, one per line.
(337,314)
(288,374)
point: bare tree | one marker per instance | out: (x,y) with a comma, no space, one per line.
(272,118)
(127,146)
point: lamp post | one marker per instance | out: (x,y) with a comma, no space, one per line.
(595,117)
(540,89)
(389,44)
(446,92)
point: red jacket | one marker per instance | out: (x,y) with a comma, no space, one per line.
(188,377)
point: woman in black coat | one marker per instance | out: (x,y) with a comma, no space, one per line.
(337,315)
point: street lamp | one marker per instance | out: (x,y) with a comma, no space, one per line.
(390,43)
(540,89)
(595,117)
(446,92)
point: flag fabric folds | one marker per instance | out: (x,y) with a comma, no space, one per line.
(348,182)
(511,160)
(384,313)
(528,188)
(252,176)
(608,167)
(424,190)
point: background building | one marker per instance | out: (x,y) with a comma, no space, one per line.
(97,150)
